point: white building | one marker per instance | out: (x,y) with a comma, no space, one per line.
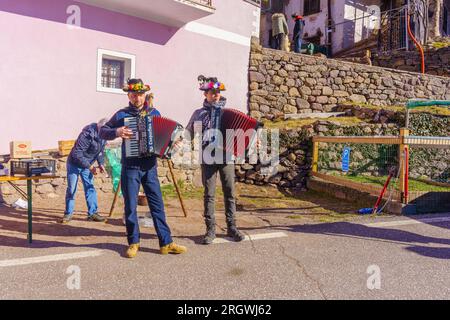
(340,24)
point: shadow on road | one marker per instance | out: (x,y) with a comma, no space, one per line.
(359,231)
(63,235)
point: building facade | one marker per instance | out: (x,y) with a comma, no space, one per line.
(64,62)
(340,24)
(439,18)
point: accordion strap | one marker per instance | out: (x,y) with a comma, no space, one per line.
(215,123)
(146,112)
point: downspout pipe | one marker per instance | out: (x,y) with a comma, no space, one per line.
(329,32)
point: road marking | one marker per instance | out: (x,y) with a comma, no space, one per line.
(253,237)
(56,257)
(406,222)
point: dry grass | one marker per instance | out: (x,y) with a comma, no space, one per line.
(396,108)
(443,111)
(305,205)
(440,45)
(298,123)
(271,204)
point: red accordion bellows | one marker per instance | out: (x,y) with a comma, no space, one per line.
(239,143)
(164,130)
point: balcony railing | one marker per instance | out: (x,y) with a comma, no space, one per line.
(207,3)
(169,12)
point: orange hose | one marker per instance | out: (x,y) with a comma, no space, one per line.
(419,47)
(406,183)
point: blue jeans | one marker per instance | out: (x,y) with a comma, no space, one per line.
(73,172)
(131,181)
(298,45)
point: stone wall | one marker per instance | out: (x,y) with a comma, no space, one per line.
(296,152)
(420,123)
(437,61)
(372,115)
(282,82)
(55,188)
(366,160)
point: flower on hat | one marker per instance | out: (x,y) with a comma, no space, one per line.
(210,83)
(137,87)
(214,85)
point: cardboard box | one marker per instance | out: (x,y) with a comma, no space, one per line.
(64,147)
(20,149)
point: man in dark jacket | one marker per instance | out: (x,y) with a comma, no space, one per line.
(139,171)
(208,118)
(87,150)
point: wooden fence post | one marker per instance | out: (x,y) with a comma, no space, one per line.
(403,177)
(315,156)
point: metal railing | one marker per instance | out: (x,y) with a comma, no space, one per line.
(371,156)
(421,165)
(393,34)
(206,3)
(255,2)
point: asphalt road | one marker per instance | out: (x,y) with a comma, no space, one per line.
(405,258)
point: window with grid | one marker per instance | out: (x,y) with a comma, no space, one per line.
(113,73)
(311,7)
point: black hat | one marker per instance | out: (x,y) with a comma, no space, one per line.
(210,83)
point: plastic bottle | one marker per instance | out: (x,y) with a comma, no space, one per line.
(146,221)
(365,210)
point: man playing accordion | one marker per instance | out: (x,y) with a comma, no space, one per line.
(137,171)
(209,117)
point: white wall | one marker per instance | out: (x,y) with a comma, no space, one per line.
(344,36)
(355,28)
(312,22)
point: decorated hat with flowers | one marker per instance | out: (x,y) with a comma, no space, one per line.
(211,83)
(136,85)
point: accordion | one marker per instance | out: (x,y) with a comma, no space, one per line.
(238,141)
(152,135)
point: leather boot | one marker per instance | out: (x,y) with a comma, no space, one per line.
(210,232)
(233,232)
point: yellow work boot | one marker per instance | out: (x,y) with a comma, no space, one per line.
(132,250)
(173,248)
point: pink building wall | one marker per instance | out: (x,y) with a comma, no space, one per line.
(48,72)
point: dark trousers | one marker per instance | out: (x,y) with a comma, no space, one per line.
(209,177)
(278,41)
(131,182)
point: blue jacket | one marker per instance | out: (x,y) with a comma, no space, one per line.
(88,148)
(109,132)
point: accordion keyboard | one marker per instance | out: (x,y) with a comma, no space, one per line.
(152,135)
(132,145)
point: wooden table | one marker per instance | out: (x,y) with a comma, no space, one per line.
(30,199)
